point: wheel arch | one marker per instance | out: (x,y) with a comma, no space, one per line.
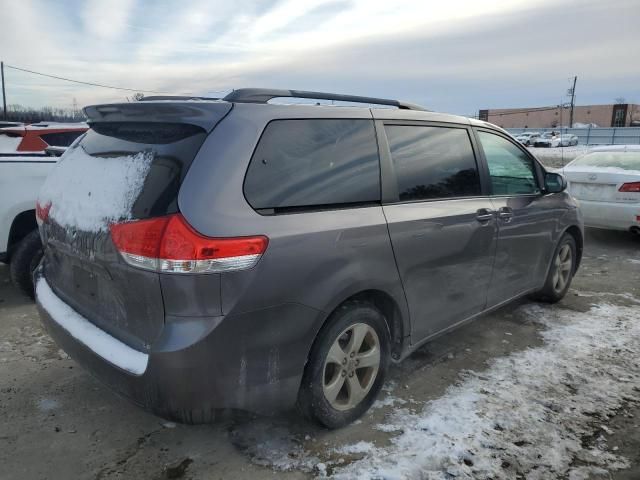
(577,235)
(394,317)
(21,226)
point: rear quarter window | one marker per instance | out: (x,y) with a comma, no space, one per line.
(301,164)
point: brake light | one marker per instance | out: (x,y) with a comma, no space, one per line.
(42,212)
(170,244)
(630,187)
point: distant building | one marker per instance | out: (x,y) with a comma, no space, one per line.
(615,115)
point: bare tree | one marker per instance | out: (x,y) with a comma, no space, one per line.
(137,96)
(20,113)
(620,100)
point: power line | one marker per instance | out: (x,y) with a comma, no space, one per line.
(86,83)
(515,112)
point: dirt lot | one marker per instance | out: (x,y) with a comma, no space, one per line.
(58,422)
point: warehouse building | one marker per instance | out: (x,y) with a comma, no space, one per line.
(614,115)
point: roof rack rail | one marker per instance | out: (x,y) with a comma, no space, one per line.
(175,97)
(263,95)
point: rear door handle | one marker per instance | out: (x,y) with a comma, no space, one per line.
(484,214)
(505,213)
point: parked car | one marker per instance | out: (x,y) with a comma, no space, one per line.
(527,138)
(241,254)
(22,173)
(545,140)
(5,124)
(564,140)
(37,137)
(606,182)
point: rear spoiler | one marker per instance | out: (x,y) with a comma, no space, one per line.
(204,114)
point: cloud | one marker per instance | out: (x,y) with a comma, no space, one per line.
(458,55)
(106,20)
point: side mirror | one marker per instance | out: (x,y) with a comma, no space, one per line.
(554,183)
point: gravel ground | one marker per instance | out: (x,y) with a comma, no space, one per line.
(58,422)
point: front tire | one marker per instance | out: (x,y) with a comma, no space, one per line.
(24,260)
(346,367)
(563,267)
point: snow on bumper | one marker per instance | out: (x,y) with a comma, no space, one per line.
(610,215)
(98,341)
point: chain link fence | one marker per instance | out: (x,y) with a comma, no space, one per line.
(594,135)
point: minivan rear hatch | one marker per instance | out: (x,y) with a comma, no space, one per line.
(129,166)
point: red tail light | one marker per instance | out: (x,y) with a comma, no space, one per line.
(630,187)
(170,244)
(42,212)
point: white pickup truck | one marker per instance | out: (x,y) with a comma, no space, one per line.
(24,165)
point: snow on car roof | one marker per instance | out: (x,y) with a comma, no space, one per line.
(616,148)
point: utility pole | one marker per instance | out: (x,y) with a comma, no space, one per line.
(573,100)
(4,95)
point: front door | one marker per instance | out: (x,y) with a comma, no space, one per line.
(441,225)
(526,219)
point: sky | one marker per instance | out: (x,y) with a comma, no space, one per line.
(454,56)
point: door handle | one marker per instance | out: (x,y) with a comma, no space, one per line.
(484,214)
(505,213)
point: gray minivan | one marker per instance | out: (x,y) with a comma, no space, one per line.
(203,254)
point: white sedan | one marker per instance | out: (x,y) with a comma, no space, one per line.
(564,140)
(527,138)
(606,183)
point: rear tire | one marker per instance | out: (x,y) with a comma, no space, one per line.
(24,260)
(563,267)
(346,367)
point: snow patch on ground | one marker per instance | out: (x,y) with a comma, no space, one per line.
(388,401)
(360,447)
(87,193)
(528,413)
(273,446)
(559,156)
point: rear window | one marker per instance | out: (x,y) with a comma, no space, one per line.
(433,162)
(172,147)
(302,164)
(624,160)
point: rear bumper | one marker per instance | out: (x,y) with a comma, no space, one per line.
(610,215)
(252,361)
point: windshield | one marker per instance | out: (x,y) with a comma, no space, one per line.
(624,160)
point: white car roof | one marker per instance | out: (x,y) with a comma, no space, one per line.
(616,148)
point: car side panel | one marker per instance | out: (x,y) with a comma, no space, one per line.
(524,244)
(316,258)
(445,257)
(20,181)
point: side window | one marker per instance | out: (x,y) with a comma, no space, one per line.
(433,162)
(306,163)
(512,171)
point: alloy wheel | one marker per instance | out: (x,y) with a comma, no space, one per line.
(563,265)
(351,366)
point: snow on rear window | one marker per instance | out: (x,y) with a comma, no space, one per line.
(87,193)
